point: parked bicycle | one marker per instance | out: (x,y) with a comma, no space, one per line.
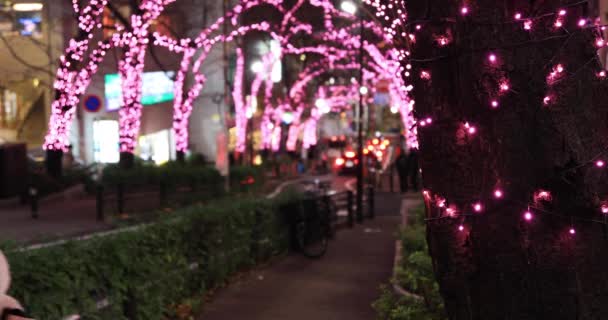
(314,220)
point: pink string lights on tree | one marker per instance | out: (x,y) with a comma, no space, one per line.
(465,212)
(239,105)
(184,102)
(70,83)
(131,68)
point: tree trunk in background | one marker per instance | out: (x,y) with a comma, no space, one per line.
(127,160)
(53,163)
(180,156)
(501,266)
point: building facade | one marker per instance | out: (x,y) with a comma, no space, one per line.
(31,40)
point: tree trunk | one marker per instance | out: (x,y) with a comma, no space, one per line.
(127,160)
(180,156)
(53,163)
(500,265)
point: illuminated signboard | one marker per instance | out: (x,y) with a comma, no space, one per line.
(157,88)
(29,23)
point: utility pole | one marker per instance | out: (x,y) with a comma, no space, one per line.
(360,124)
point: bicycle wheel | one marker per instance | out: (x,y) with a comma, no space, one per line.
(312,236)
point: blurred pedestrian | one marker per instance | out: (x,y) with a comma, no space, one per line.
(413,169)
(401,166)
(68,159)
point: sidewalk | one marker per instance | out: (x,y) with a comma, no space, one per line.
(341,285)
(57,219)
(69,217)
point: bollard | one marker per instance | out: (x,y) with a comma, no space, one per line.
(120,198)
(392,178)
(34,202)
(350,209)
(99,204)
(371,202)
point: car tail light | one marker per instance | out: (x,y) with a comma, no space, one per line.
(350,154)
(340,161)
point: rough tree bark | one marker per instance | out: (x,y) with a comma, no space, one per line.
(501,266)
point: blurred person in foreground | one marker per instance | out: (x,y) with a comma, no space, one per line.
(10,309)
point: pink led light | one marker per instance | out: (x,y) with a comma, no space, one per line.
(494,104)
(478,207)
(604,208)
(442,40)
(601,74)
(572,231)
(470,129)
(599,42)
(518,16)
(582,22)
(546,100)
(464,10)
(528,25)
(600,163)
(498,194)
(528,216)
(504,86)
(440,202)
(460,228)
(558,23)
(451,211)
(492,58)
(542,195)
(562,12)
(555,74)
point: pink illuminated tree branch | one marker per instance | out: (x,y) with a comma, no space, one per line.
(74,73)
(131,67)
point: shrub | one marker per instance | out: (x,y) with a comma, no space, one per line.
(171,174)
(246,178)
(391,306)
(415,274)
(140,273)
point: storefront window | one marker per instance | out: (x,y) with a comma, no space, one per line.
(156,147)
(106,141)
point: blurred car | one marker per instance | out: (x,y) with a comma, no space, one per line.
(347,163)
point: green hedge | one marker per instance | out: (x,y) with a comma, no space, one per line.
(171,174)
(143,272)
(239,178)
(415,274)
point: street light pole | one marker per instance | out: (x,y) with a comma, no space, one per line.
(360,125)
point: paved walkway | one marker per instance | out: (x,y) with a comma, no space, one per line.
(341,285)
(72,214)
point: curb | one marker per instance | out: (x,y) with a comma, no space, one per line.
(397,289)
